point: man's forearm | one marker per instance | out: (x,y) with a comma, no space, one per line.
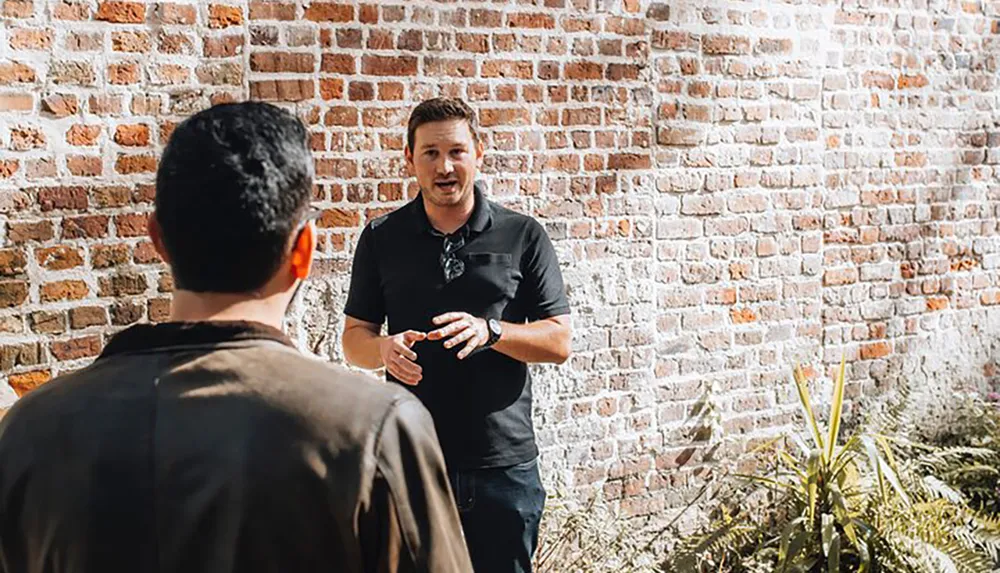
(361,348)
(546,340)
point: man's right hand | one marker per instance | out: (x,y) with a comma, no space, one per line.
(398,356)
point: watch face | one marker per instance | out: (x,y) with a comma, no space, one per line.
(494,326)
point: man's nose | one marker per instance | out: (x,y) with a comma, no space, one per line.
(445,166)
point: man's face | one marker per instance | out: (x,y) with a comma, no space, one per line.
(445,160)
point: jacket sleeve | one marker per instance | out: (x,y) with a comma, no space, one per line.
(411,523)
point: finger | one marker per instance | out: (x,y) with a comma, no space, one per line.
(411,336)
(408,379)
(469,347)
(460,337)
(407,367)
(447,331)
(404,351)
(448,317)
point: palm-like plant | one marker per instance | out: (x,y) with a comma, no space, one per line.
(843,505)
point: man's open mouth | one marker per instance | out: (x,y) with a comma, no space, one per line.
(448,185)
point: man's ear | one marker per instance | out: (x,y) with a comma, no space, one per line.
(480,153)
(303,251)
(156,236)
(408,154)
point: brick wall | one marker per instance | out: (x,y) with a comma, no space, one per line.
(731,186)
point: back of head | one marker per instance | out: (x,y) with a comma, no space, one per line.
(232,183)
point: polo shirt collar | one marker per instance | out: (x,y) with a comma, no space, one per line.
(145,337)
(479,221)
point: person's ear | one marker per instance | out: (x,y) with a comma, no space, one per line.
(408,154)
(303,251)
(156,236)
(480,153)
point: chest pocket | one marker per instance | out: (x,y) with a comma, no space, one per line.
(489,277)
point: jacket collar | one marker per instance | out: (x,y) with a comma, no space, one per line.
(149,336)
(479,221)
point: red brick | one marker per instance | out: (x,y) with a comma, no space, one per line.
(124,313)
(875,350)
(146,254)
(339,218)
(8,167)
(224,47)
(85,165)
(105,104)
(121,12)
(619,72)
(40,168)
(130,41)
(936,303)
(912,81)
(329,12)
(331,88)
(21,232)
(272,11)
(620,161)
(159,309)
(282,90)
(584,71)
(83,135)
(715,44)
(16,102)
(504,116)
(69,72)
(18,9)
(131,224)
(275,62)
(131,164)
(183,14)
(501,68)
(774,46)
(532,21)
(132,135)
(478,43)
(85,316)
(85,227)
(104,256)
(123,284)
(30,39)
(343,116)
(61,105)
(16,73)
(63,290)
(171,74)
(389,65)
(336,168)
(85,347)
(835,277)
(24,138)
(13,262)
(222,16)
(879,80)
(50,198)
(59,258)
(84,41)
(124,73)
(337,64)
(76,10)
(368,14)
(25,382)
(220,73)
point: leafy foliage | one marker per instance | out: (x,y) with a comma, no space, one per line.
(874,502)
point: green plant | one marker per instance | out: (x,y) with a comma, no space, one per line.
(826,504)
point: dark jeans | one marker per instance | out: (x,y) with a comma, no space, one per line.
(500,510)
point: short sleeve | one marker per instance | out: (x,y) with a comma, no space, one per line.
(544,287)
(364,299)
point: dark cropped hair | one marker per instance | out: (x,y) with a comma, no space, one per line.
(231,186)
(440,109)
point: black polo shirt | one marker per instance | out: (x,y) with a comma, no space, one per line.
(481,405)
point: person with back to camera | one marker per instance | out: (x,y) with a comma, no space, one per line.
(209,444)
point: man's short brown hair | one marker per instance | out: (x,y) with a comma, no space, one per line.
(440,109)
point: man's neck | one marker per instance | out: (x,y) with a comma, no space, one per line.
(188,306)
(447,220)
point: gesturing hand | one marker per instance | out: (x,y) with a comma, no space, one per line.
(398,356)
(461,327)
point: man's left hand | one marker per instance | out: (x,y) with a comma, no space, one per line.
(460,327)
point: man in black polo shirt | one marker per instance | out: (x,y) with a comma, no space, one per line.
(472,293)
